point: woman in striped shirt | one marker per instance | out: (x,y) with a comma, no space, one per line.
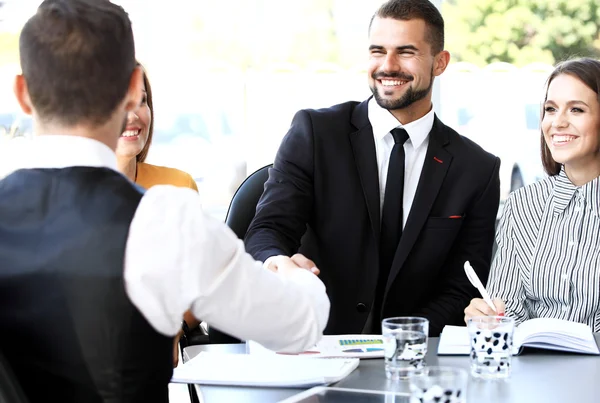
(548,258)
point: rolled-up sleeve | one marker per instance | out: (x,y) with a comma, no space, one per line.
(178,258)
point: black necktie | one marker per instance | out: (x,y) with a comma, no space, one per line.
(391,217)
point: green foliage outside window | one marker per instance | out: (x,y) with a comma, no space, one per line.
(521,31)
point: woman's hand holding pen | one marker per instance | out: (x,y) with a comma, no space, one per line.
(478,307)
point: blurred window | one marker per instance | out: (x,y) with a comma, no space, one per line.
(228,77)
(532,116)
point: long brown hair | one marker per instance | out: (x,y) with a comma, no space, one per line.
(587,70)
(141,157)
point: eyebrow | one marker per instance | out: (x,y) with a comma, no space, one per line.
(572,102)
(398,48)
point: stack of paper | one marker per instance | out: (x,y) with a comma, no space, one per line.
(262,370)
(341,346)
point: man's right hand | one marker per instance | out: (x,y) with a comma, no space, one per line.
(298,261)
(478,307)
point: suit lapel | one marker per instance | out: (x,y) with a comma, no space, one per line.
(363,147)
(435,167)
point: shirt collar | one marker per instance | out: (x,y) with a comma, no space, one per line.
(564,191)
(383,122)
(61,151)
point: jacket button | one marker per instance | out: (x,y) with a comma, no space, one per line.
(360,307)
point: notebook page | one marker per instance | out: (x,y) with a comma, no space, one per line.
(454,340)
(556,334)
(261,370)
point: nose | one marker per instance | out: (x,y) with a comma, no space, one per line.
(132,117)
(560,121)
(390,63)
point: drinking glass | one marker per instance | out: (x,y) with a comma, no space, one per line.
(491,346)
(439,384)
(405,345)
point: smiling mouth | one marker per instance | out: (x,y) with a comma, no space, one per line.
(560,139)
(131,133)
(392,83)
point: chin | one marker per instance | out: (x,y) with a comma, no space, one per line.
(558,158)
(562,158)
(127,152)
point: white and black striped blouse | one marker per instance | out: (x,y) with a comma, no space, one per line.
(548,258)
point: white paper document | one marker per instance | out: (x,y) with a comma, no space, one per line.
(340,346)
(544,333)
(262,370)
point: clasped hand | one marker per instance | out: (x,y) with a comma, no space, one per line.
(298,261)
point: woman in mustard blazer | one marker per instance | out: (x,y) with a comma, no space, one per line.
(133,146)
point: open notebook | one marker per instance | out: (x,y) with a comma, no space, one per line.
(262,370)
(342,346)
(545,333)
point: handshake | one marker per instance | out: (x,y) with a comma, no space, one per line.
(287,264)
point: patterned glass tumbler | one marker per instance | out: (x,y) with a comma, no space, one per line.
(491,346)
(439,385)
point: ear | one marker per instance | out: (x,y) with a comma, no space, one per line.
(441,62)
(22,94)
(133,98)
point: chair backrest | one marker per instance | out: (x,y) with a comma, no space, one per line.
(10,389)
(243,204)
(239,216)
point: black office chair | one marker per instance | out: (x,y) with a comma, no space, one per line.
(239,215)
(10,389)
(243,204)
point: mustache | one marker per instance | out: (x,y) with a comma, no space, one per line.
(399,76)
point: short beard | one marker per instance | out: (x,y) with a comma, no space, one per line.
(410,96)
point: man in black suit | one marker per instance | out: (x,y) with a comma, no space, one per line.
(392,201)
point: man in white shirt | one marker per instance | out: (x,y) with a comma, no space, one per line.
(96,273)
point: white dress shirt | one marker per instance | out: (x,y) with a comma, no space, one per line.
(177,258)
(415,148)
(548,260)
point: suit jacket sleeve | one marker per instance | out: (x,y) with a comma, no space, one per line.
(474,243)
(286,204)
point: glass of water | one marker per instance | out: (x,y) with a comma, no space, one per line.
(439,384)
(405,345)
(491,346)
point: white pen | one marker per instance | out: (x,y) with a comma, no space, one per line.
(472,276)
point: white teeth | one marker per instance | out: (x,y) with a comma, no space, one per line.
(562,138)
(392,83)
(130,133)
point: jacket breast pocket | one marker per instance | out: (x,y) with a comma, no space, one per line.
(444,223)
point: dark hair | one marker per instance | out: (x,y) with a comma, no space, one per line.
(77,58)
(425,10)
(141,157)
(588,71)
